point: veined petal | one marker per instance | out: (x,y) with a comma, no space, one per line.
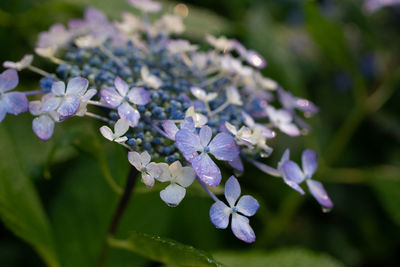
(122,86)
(127,112)
(292,172)
(173,194)
(43,127)
(77,86)
(34,107)
(8,80)
(318,191)
(111,96)
(50,103)
(187,142)
(224,147)
(145,158)
(69,106)
(147,179)
(242,229)
(219,214)
(58,88)
(15,103)
(121,127)
(165,174)
(134,158)
(170,129)
(205,135)
(107,133)
(186,177)
(206,169)
(232,190)
(309,162)
(153,169)
(88,95)
(247,205)
(139,96)
(188,124)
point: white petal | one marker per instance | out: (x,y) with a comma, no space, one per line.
(187,177)
(107,133)
(165,175)
(135,160)
(173,194)
(121,127)
(145,158)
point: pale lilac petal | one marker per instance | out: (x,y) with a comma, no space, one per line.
(187,142)
(309,162)
(188,124)
(292,172)
(165,174)
(206,169)
(232,190)
(267,169)
(34,107)
(8,80)
(224,147)
(205,135)
(242,229)
(186,178)
(170,129)
(147,179)
(139,96)
(15,103)
(50,103)
(294,186)
(319,193)
(3,111)
(77,86)
(285,157)
(173,194)
(121,86)
(43,127)
(290,129)
(127,112)
(237,164)
(219,214)
(153,168)
(88,95)
(69,106)
(121,127)
(306,106)
(111,97)
(58,88)
(247,205)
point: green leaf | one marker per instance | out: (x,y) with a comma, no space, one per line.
(286,257)
(20,207)
(164,250)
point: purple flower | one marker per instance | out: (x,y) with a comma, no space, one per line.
(14,102)
(292,172)
(66,101)
(122,97)
(57,36)
(291,102)
(247,205)
(43,124)
(222,146)
(171,129)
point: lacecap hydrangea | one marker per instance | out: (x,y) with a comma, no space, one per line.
(182,113)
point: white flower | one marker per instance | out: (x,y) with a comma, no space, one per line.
(170,24)
(130,24)
(198,119)
(149,170)
(233,96)
(282,119)
(147,6)
(89,41)
(222,43)
(179,177)
(25,62)
(180,46)
(234,66)
(265,83)
(46,52)
(203,95)
(84,100)
(120,128)
(244,134)
(149,79)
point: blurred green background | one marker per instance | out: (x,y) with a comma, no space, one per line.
(345,60)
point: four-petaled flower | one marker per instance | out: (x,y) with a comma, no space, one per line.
(43,124)
(247,206)
(149,79)
(14,102)
(122,97)
(120,128)
(179,177)
(282,119)
(292,172)
(149,170)
(25,62)
(222,146)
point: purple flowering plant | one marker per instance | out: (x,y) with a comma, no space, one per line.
(182,113)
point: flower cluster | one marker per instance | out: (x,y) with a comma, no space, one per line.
(180,112)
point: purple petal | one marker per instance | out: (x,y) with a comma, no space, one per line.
(77,86)
(187,142)
(58,88)
(43,127)
(3,111)
(292,172)
(188,124)
(309,162)
(232,190)
(319,193)
(34,107)
(247,205)
(50,103)
(139,96)
(15,103)
(94,15)
(219,214)
(294,186)
(285,157)
(237,164)
(69,106)
(206,169)
(306,106)
(8,80)
(265,168)
(173,195)
(205,135)
(121,86)
(224,147)
(170,129)
(242,229)
(111,96)
(128,112)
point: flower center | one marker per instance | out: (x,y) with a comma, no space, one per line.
(144,169)
(206,149)
(126,98)
(235,209)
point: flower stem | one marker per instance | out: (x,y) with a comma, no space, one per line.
(95,116)
(118,213)
(212,195)
(38,71)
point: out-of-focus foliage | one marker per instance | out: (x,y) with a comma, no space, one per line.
(344,59)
